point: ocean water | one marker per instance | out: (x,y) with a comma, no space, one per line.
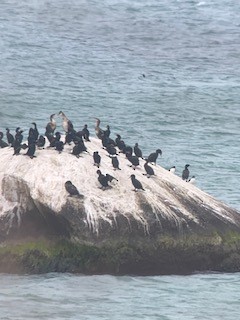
(164,74)
(64,296)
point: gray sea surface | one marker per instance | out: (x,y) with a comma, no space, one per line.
(73,297)
(165,74)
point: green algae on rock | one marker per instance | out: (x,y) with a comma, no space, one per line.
(115,231)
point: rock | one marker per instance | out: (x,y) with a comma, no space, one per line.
(34,204)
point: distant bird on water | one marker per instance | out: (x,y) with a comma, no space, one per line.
(185,173)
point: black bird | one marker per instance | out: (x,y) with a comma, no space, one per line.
(34,131)
(70,136)
(111,150)
(120,143)
(78,148)
(10,138)
(134,161)
(31,149)
(128,151)
(78,137)
(55,139)
(185,173)
(96,159)
(136,183)
(72,190)
(18,135)
(3,144)
(50,128)
(31,136)
(149,170)
(153,156)
(18,140)
(107,132)
(59,146)
(103,180)
(66,123)
(110,178)
(137,151)
(115,163)
(86,133)
(41,142)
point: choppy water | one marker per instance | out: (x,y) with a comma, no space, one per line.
(56,296)
(88,58)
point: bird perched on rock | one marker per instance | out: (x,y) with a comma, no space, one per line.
(120,143)
(41,142)
(79,148)
(86,133)
(110,178)
(137,151)
(111,150)
(128,151)
(96,159)
(70,136)
(136,183)
(172,169)
(18,141)
(3,144)
(66,123)
(134,161)
(192,180)
(149,170)
(115,163)
(59,146)
(99,132)
(107,132)
(33,132)
(72,190)
(10,137)
(103,180)
(153,156)
(50,128)
(31,149)
(185,173)
(55,139)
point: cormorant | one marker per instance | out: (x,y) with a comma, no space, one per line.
(185,173)
(66,123)
(136,183)
(72,190)
(96,159)
(153,156)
